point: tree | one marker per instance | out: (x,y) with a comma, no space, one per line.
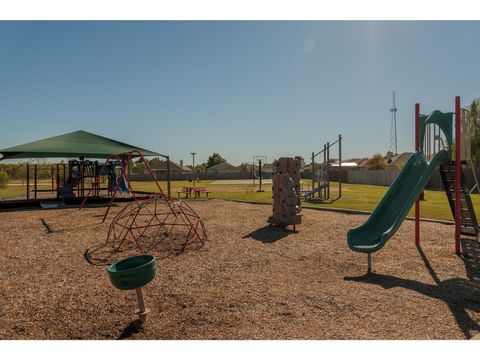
(155,162)
(474,121)
(19,171)
(245,167)
(215,159)
(137,167)
(3,179)
(200,168)
(377,162)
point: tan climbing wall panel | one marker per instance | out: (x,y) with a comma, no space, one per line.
(286,192)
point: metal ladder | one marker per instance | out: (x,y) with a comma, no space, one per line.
(468,219)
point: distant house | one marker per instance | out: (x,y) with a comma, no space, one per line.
(307,167)
(267,168)
(348,165)
(399,160)
(223,167)
(362,163)
(248,168)
(345,165)
(355,160)
(160,168)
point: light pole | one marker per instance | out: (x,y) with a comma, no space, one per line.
(193,155)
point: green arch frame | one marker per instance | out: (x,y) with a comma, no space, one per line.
(444,122)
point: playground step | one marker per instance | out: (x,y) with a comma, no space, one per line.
(463,203)
(468,231)
(451,189)
(463,194)
(466,222)
(468,219)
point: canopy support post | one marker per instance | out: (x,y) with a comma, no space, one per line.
(57,180)
(52,179)
(35,181)
(28,181)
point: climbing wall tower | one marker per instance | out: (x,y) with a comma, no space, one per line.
(286,192)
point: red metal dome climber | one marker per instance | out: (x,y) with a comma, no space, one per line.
(149,221)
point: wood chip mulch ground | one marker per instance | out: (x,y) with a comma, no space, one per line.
(250,281)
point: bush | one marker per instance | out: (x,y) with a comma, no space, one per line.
(3,179)
(377,162)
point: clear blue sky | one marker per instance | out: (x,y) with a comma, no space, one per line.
(237,88)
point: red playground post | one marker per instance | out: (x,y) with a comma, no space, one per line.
(417,148)
(458,178)
(457,173)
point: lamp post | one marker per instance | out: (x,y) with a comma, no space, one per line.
(193,156)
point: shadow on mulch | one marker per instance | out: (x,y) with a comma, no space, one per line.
(458,294)
(105,255)
(269,234)
(46,225)
(322,201)
(133,328)
(68,228)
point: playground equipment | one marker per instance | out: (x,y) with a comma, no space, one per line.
(321,174)
(116,167)
(134,273)
(68,180)
(82,175)
(57,173)
(286,193)
(409,184)
(71,180)
(148,222)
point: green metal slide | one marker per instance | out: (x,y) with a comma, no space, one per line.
(394,206)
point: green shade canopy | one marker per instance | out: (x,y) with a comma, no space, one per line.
(72,145)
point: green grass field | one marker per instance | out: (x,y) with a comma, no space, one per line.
(354,196)
(16,189)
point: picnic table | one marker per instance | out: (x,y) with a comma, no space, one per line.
(200,190)
(189,190)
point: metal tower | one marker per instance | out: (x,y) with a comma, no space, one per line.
(393,128)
